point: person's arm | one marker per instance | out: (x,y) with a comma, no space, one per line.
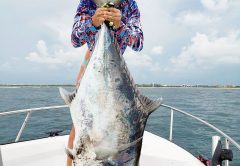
(83,67)
(83,30)
(131,33)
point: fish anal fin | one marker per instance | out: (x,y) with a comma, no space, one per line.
(150,105)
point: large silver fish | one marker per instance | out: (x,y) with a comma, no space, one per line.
(108,112)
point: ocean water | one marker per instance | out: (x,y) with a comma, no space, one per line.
(220,107)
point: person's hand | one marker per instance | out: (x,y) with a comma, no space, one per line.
(114,15)
(98,18)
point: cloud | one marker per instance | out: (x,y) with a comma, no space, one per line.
(205,51)
(61,52)
(45,40)
(58,55)
(195,18)
(141,61)
(157,50)
(215,4)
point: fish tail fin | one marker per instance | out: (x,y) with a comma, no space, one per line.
(151,105)
(69,152)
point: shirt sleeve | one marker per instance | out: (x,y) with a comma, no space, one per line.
(83,30)
(131,32)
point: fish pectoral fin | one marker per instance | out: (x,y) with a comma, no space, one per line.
(62,90)
(66,95)
(151,105)
(69,152)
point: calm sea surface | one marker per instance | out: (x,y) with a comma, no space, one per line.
(220,107)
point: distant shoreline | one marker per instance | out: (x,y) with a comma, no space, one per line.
(139,85)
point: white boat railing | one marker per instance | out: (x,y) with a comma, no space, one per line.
(228,139)
(28,111)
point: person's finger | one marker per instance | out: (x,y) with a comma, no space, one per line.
(116,19)
(115,14)
(100,11)
(112,17)
(101,19)
(109,18)
(106,15)
(113,20)
(112,9)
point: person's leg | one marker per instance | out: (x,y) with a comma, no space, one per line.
(70,144)
(72,133)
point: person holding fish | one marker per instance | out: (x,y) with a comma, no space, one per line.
(122,17)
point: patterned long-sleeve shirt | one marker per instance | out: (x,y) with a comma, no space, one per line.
(128,34)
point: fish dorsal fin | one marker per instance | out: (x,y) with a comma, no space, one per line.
(150,105)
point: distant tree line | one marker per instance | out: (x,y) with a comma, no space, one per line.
(139,85)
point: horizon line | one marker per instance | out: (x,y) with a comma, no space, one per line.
(146,84)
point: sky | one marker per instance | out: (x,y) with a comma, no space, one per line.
(185,42)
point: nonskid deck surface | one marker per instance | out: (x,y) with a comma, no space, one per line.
(156,151)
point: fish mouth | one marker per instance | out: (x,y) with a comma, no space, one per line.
(100,3)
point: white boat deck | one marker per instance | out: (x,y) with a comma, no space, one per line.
(50,151)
